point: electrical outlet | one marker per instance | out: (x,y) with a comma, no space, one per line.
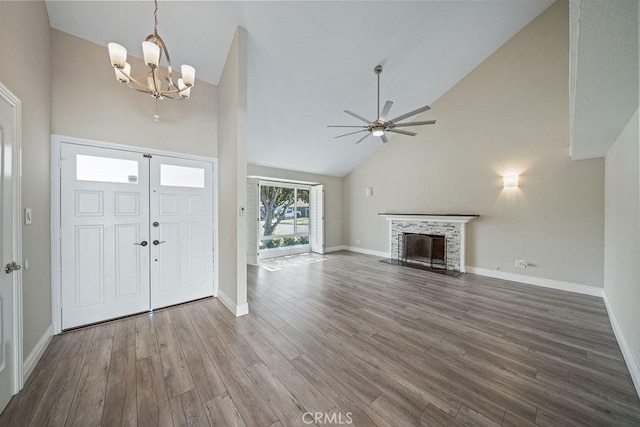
(520,263)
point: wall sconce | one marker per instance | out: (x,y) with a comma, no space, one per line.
(511,181)
(369,192)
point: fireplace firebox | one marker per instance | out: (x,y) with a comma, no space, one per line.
(425,249)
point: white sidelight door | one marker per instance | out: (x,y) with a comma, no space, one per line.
(104,234)
(316,218)
(10,276)
(181,230)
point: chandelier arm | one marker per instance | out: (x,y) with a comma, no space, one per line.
(166,54)
(132,79)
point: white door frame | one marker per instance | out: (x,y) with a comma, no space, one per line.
(16,147)
(56,141)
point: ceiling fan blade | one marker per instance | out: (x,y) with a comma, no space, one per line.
(404,132)
(341,126)
(362,139)
(426,122)
(351,113)
(351,133)
(385,110)
(384,139)
(410,114)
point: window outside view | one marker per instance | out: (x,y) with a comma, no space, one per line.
(284,217)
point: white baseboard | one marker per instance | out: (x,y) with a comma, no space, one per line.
(368,251)
(34,356)
(537,281)
(336,249)
(237,310)
(629,357)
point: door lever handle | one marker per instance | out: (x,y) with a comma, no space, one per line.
(143,243)
(158,242)
(11,267)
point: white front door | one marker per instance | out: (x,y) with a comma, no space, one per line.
(10,274)
(182,230)
(104,234)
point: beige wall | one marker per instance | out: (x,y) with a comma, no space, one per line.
(89,103)
(25,69)
(509,115)
(333,197)
(232,153)
(622,233)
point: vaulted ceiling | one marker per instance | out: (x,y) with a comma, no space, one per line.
(309,60)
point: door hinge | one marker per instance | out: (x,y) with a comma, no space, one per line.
(147,156)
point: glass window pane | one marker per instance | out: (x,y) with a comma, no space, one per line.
(106,169)
(181,176)
(276,211)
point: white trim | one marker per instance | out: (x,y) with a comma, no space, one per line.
(427,218)
(283,251)
(367,251)
(282,180)
(124,147)
(538,281)
(56,282)
(16,149)
(36,353)
(237,310)
(632,363)
(336,248)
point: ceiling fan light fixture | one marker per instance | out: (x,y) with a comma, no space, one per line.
(377,132)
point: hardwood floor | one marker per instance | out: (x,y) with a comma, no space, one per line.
(349,337)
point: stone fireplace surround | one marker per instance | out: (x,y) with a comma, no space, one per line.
(453,227)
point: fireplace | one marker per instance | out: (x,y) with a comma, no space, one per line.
(425,249)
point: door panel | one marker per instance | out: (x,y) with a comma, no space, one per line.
(8,224)
(182,203)
(104,217)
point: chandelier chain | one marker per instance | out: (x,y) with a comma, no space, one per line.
(155,17)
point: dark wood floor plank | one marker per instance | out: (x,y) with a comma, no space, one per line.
(223,412)
(151,397)
(254,409)
(177,375)
(146,344)
(120,407)
(88,403)
(204,372)
(286,407)
(187,410)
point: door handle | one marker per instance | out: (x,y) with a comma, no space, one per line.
(157,242)
(11,267)
(143,243)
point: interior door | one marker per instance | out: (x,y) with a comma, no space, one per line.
(182,230)
(316,218)
(105,234)
(10,273)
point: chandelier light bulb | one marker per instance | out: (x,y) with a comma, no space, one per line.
(121,75)
(151,53)
(118,55)
(188,75)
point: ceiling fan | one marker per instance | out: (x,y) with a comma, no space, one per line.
(381,125)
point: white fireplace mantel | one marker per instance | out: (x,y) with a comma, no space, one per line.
(428,217)
(442,218)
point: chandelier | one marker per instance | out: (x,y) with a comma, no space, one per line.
(156,82)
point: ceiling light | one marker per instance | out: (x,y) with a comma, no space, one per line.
(156,82)
(377,131)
